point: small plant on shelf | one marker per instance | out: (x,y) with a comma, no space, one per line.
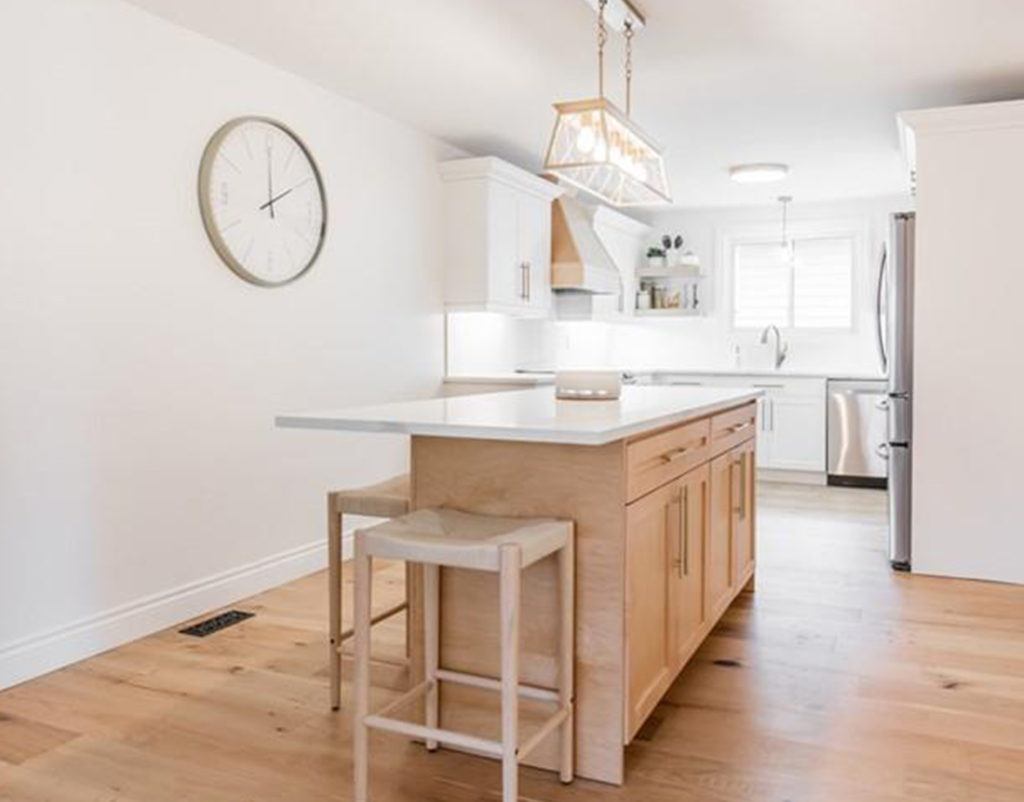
(656,256)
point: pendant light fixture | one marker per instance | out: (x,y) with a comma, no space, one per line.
(597,147)
(785,243)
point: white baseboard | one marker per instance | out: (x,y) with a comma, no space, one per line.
(44,652)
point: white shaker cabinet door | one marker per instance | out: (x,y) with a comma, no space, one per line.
(507,285)
(796,434)
(534,256)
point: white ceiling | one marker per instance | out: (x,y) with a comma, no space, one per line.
(814,83)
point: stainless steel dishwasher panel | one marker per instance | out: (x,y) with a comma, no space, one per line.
(857,451)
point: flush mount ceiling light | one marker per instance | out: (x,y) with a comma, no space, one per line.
(595,146)
(760,173)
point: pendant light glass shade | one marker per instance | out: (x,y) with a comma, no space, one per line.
(597,148)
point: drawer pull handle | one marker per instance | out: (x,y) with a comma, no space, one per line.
(737,427)
(674,454)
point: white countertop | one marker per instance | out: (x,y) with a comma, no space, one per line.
(532,415)
(535,378)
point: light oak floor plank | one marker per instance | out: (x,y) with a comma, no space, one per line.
(836,681)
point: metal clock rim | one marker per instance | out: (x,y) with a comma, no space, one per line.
(206,210)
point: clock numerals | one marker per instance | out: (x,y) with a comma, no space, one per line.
(263,207)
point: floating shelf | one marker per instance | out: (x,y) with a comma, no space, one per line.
(687,272)
(670,312)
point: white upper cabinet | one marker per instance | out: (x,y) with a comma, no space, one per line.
(497,238)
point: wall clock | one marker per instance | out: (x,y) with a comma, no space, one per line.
(262,201)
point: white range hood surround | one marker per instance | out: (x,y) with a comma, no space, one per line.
(580,263)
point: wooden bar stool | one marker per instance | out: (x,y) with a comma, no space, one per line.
(448,538)
(387,499)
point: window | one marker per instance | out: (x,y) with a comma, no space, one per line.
(807,286)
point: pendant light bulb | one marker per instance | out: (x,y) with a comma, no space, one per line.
(586,139)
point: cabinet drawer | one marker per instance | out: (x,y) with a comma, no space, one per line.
(660,458)
(731,428)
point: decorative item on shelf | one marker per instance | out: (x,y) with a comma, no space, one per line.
(597,147)
(656,257)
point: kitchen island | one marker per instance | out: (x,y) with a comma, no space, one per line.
(660,484)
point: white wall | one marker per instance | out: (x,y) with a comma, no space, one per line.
(696,343)
(968,434)
(141,478)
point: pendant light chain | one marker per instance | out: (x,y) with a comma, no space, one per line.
(628,33)
(602,38)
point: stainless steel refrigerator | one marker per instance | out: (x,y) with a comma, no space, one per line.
(895,315)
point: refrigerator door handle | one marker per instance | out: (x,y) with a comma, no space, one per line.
(879,295)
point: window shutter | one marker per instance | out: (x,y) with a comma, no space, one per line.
(761,286)
(822,283)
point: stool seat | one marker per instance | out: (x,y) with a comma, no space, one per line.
(458,539)
(387,499)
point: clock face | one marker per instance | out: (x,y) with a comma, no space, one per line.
(262,201)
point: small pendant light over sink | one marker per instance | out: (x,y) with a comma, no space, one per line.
(598,148)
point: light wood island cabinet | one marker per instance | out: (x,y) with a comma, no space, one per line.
(689,551)
(659,485)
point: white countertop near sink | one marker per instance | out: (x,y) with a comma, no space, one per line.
(537,378)
(532,415)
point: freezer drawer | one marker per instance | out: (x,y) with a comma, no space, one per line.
(857,433)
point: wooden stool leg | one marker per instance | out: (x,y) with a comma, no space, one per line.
(361,684)
(566,655)
(431,637)
(510,576)
(334,596)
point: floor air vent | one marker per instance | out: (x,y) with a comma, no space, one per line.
(215,624)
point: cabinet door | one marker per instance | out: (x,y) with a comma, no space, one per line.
(686,597)
(744,510)
(797,426)
(534,219)
(719,578)
(506,280)
(652,524)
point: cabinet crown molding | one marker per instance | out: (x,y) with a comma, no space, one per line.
(1006,114)
(495,169)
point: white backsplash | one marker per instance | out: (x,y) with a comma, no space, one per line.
(489,343)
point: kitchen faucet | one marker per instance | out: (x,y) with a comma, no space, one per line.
(781,348)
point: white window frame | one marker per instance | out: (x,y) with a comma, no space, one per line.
(755,233)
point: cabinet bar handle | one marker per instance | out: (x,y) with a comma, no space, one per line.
(674,454)
(743,486)
(524,272)
(685,545)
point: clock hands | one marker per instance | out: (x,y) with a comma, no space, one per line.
(275,198)
(270,187)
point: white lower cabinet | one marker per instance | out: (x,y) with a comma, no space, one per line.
(791,432)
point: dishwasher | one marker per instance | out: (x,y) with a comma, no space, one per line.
(857,433)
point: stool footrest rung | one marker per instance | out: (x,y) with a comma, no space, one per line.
(383,615)
(482,745)
(491,684)
(549,726)
(408,697)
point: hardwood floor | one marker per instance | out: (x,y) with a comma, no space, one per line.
(837,681)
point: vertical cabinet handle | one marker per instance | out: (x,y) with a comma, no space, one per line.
(743,486)
(684,567)
(674,518)
(524,277)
